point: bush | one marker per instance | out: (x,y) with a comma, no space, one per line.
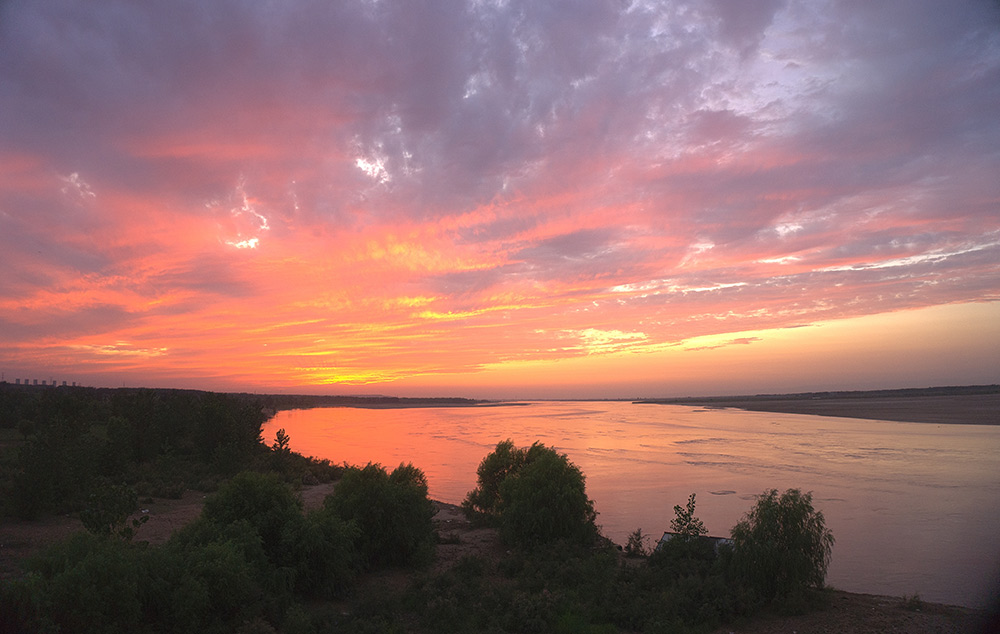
(484,502)
(262,500)
(781,547)
(108,510)
(392,513)
(535,496)
(324,552)
(88,584)
(636,544)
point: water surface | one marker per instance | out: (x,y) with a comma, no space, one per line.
(913,506)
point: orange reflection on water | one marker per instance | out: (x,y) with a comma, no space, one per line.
(883,487)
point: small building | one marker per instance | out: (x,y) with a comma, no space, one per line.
(717,542)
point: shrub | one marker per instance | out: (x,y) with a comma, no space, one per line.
(636,544)
(391,511)
(536,496)
(505,460)
(262,500)
(89,584)
(108,510)
(781,547)
(324,552)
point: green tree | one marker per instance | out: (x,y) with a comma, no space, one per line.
(636,544)
(263,501)
(685,523)
(535,496)
(281,442)
(392,513)
(505,460)
(108,510)
(781,547)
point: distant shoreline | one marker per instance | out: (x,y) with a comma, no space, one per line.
(944,406)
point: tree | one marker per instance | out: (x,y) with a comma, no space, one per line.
(636,544)
(684,555)
(281,442)
(685,523)
(392,513)
(265,503)
(535,496)
(108,510)
(483,502)
(781,547)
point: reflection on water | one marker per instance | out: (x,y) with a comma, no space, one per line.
(913,506)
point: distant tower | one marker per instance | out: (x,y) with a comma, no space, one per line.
(36,382)
(17,381)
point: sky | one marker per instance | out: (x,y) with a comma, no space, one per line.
(500,198)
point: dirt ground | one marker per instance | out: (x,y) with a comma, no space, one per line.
(846,612)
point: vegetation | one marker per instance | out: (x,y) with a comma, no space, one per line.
(781,547)
(256,561)
(685,524)
(391,512)
(535,496)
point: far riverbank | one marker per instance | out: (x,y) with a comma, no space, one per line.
(939,406)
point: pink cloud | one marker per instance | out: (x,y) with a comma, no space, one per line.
(309,192)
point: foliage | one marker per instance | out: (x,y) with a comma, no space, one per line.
(108,510)
(636,546)
(264,501)
(323,553)
(781,547)
(534,495)
(159,441)
(281,442)
(685,524)
(546,501)
(505,460)
(254,561)
(391,512)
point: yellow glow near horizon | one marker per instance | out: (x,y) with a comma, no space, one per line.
(875,351)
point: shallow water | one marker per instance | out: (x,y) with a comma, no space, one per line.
(913,506)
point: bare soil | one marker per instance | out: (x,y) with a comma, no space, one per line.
(845,612)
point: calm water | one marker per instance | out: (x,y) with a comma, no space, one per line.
(914,507)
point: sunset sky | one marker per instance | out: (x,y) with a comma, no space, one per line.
(501,199)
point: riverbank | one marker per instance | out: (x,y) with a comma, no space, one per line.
(915,407)
(460,540)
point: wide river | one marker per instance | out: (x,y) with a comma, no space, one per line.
(914,507)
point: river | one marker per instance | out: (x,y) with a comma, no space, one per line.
(914,507)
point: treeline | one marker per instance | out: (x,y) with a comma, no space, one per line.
(276,402)
(58,445)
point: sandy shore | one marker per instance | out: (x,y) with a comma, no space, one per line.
(972,409)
